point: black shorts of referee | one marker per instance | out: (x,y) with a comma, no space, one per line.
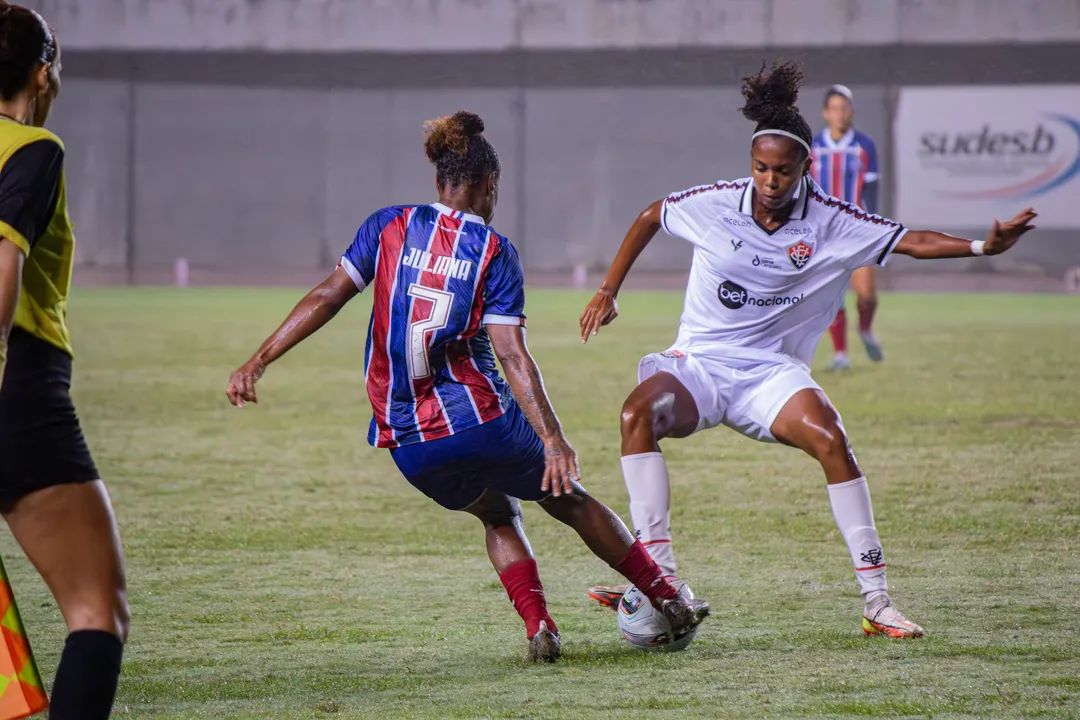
(41,442)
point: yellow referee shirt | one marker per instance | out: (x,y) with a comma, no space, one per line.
(33,215)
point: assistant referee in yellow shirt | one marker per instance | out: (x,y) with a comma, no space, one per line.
(51,494)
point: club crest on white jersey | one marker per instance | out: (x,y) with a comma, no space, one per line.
(799,254)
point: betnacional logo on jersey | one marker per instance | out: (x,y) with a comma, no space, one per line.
(424,261)
(734,296)
(799,254)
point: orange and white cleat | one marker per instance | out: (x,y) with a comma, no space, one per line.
(608,595)
(881,618)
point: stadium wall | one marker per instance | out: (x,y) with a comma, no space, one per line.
(465,25)
(268,159)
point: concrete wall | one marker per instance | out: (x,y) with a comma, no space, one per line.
(271,157)
(443,25)
(281,178)
(262,178)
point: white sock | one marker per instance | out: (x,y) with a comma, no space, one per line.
(647,481)
(855,518)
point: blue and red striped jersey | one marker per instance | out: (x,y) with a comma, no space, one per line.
(843,168)
(439,276)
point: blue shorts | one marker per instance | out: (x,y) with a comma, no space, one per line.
(504,455)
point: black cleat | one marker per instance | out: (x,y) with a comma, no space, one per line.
(545,646)
(684,613)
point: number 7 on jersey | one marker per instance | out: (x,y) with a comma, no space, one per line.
(419,337)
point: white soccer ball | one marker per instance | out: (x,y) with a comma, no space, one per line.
(645,627)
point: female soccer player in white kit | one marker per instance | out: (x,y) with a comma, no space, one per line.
(772,256)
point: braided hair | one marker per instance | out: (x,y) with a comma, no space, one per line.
(457,148)
(770,100)
(26,41)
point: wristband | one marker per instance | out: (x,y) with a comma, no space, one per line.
(978,247)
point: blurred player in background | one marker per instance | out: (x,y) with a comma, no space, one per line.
(50,492)
(846,167)
(773,254)
(448,292)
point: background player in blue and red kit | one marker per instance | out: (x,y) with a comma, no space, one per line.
(846,166)
(448,299)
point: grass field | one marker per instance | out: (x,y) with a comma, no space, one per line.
(281,568)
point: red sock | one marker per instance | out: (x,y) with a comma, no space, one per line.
(838,330)
(866,314)
(643,572)
(523,586)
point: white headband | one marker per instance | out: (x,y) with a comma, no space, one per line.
(785,133)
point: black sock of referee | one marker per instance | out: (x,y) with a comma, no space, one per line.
(86,680)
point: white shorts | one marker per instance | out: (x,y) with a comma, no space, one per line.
(744,394)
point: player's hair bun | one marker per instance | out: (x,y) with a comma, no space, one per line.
(771,96)
(471,123)
(451,134)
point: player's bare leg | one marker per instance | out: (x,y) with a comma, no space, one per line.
(601,529)
(809,422)
(607,537)
(658,408)
(69,534)
(511,556)
(864,283)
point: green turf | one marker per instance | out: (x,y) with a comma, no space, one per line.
(280,568)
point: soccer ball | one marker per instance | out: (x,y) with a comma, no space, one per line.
(645,627)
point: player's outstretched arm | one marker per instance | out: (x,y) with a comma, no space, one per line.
(603,308)
(930,245)
(560,460)
(311,313)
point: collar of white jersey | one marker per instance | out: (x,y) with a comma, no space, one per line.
(458,214)
(798,212)
(845,140)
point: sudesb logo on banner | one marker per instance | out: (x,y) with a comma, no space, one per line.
(966,155)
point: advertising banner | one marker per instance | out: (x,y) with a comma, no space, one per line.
(967,155)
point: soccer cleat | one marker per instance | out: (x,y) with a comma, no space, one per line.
(684,612)
(608,595)
(840,362)
(881,618)
(544,646)
(873,347)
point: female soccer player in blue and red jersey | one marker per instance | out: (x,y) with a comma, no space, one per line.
(449,299)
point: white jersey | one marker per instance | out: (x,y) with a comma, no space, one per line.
(753,293)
